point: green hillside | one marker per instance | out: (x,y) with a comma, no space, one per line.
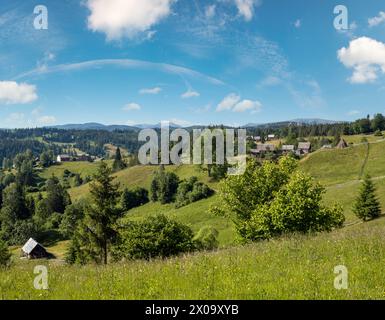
(297,267)
(341,172)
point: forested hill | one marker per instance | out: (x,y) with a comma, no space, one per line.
(39,140)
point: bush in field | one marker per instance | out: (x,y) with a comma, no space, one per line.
(134,198)
(19,232)
(273,198)
(71,217)
(190,191)
(367,205)
(5,255)
(206,239)
(164,186)
(295,208)
(54,221)
(153,237)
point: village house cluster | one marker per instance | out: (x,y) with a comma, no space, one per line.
(83,157)
(302,149)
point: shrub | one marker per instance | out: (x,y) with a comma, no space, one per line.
(71,217)
(20,232)
(190,191)
(164,186)
(54,221)
(153,237)
(271,199)
(206,239)
(134,198)
(5,255)
(295,208)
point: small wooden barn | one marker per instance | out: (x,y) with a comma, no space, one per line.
(34,250)
(342,144)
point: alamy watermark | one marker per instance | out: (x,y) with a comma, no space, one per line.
(183,147)
(341,280)
(41,20)
(40,282)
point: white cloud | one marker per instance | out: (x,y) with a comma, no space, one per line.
(34,119)
(246,8)
(248,105)
(122,63)
(269,82)
(190,94)
(126,18)
(228,102)
(155,90)
(234,103)
(210,11)
(12,92)
(46,120)
(366,57)
(131,107)
(15,117)
(354,112)
(298,23)
(375,21)
(179,122)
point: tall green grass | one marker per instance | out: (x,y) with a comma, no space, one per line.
(296,267)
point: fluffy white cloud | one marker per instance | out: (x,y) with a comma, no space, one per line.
(126,18)
(190,94)
(366,57)
(375,21)
(269,81)
(246,8)
(248,105)
(46,120)
(15,117)
(179,122)
(228,102)
(210,11)
(354,112)
(131,107)
(12,92)
(234,103)
(155,90)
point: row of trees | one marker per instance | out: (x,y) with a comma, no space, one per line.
(294,130)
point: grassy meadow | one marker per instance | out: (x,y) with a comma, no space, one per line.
(292,267)
(296,267)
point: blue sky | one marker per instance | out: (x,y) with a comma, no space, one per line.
(189,61)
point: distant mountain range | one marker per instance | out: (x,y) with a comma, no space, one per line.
(99,126)
(294,121)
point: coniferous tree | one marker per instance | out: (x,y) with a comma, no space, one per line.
(367,205)
(96,232)
(118,164)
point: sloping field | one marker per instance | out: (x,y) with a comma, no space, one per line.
(297,267)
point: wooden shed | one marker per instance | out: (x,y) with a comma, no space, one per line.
(34,250)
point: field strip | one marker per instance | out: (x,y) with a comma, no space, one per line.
(351,182)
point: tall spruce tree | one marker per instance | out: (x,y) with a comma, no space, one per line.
(118,164)
(367,205)
(96,232)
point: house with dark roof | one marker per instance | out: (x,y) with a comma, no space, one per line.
(303,148)
(63,158)
(34,250)
(286,148)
